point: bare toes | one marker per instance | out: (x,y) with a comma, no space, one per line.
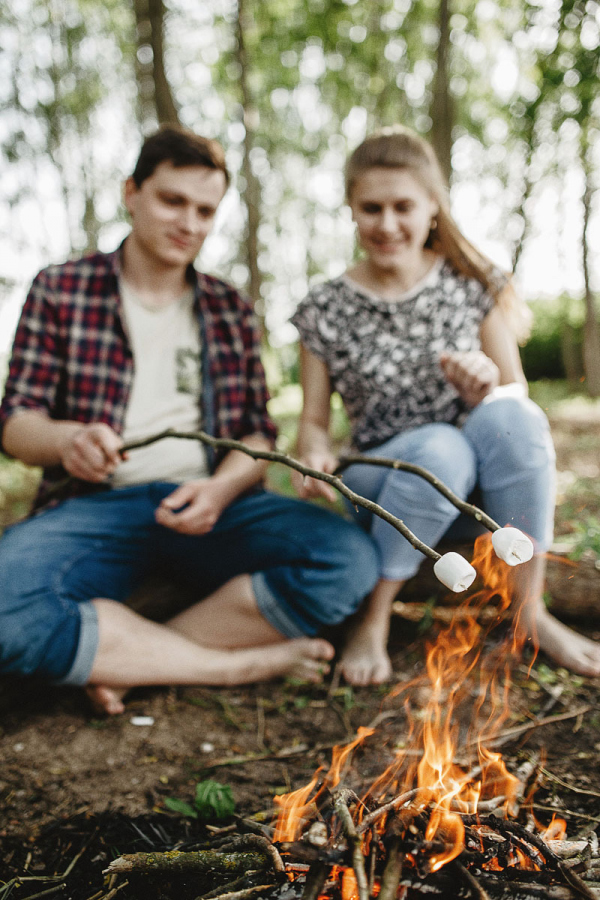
(105,700)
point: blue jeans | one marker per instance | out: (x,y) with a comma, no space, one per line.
(309,568)
(504,449)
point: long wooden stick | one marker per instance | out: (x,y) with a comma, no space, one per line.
(334,480)
(276,456)
(399,464)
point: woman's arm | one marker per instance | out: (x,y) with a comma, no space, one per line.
(477,373)
(313,444)
(499,343)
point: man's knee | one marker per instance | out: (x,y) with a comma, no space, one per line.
(39,630)
(338,567)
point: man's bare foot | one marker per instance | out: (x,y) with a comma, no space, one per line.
(304,658)
(565,646)
(106,700)
(364,658)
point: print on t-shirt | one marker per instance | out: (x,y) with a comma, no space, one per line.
(187,371)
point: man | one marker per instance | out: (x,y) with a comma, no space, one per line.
(118,346)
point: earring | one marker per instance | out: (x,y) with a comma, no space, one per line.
(433,224)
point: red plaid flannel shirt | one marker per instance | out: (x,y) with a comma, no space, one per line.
(71,357)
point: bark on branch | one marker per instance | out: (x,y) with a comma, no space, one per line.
(334,480)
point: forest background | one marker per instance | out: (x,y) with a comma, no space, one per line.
(506,90)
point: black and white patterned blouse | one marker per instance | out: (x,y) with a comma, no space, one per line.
(382,355)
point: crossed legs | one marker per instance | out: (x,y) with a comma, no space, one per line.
(223,640)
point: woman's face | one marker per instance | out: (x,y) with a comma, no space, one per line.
(393,214)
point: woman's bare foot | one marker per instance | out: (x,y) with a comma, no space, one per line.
(106,700)
(563,645)
(365,659)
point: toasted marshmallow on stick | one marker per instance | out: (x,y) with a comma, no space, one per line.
(454,571)
(512,545)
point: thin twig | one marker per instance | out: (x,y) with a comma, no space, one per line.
(478,514)
(244,894)
(478,891)
(400,800)
(230,886)
(566,784)
(276,456)
(505,736)
(358,859)
(52,890)
(112,893)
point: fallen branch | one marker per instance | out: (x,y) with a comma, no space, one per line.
(414,612)
(198,861)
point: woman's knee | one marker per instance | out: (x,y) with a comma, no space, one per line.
(442,450)
(510,436)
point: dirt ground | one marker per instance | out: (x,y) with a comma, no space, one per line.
(63,771)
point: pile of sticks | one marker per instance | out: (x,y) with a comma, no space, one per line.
(386,855)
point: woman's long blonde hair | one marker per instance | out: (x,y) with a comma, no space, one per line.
(401,148)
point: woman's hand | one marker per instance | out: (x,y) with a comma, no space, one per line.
(193,507)
(473,374)
(309,488)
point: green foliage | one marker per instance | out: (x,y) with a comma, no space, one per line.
(554,349)
(18,484)
(211,801)
(585,538)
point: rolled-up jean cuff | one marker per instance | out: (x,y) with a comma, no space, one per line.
(87,647)
(270,607)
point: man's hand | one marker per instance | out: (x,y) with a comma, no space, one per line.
(310,488)
(193,507)
(473,374)
(91,452)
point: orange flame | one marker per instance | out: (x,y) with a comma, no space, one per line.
(293,812)
(556,830)
(294,806)
(448,688)
(349,885)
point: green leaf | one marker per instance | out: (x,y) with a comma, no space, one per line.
(181,807)
(213,800)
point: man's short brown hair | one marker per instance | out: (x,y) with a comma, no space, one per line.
(180,147)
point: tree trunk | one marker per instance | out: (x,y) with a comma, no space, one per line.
(442,106)
(591,333)
(155,97)
(252,192)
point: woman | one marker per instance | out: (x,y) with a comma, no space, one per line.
(418,338)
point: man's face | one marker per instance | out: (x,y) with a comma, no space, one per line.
(173,211)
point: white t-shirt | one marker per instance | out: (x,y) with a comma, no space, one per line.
(165,392)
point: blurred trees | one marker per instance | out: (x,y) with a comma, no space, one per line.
(505,89)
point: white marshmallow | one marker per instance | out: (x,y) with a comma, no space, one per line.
(512,545)
(454,571)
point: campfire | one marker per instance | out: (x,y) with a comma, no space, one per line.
(440,820)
